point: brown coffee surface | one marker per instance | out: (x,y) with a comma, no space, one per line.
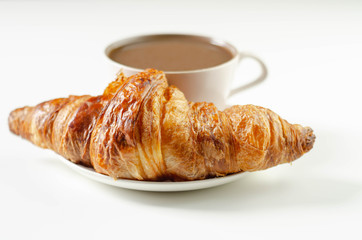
(171,55)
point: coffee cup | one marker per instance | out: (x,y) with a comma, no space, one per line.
(189,71)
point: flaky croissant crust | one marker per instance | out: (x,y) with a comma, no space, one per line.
(141,128)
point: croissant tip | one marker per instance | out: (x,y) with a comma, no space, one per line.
(12,118)
(309,139)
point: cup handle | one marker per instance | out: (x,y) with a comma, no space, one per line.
(261,78)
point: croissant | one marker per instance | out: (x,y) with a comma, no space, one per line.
(140,128)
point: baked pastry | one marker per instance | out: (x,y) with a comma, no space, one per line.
(141,128)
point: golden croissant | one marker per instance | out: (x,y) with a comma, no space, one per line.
(143,129)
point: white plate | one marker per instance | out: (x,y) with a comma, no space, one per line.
(153,186)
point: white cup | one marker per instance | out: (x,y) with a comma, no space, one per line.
(211,84)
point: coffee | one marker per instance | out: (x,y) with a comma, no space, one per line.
(171,54)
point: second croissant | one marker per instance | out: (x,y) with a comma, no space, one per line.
(140,128)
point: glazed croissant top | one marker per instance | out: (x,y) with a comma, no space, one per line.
(141,128)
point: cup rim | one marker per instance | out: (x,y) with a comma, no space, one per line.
(145,37)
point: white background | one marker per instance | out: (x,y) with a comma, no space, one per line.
(313,50)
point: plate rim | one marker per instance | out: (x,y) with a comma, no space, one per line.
(155,186)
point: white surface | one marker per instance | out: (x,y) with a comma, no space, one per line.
(313,51)
(152,186)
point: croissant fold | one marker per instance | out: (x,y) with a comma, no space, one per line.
(141,128)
